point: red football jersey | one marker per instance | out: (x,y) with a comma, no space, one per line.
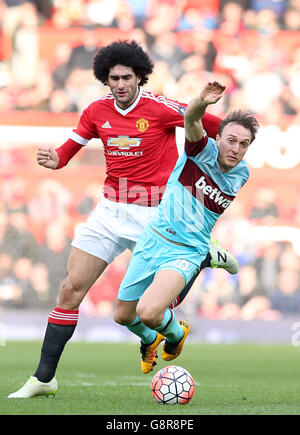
(139,143)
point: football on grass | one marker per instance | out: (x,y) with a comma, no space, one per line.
(172,385)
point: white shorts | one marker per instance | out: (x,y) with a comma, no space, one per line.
(112,228)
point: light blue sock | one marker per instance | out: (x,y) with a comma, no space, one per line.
(146,334)
(170,328)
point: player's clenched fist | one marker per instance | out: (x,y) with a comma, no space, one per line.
(47,157)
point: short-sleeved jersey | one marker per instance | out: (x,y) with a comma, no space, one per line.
(139,143)
(197,193)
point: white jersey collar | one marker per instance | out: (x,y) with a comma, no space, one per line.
(133,105)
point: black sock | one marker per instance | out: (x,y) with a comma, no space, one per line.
(187,288)
(54,342)
(56,336)
(206,262)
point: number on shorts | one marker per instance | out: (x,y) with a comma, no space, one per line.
(182,264)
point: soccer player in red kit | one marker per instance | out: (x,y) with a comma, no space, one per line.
(137,129)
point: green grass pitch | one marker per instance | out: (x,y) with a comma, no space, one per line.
(105,378)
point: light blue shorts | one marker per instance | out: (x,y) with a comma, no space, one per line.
(151,254)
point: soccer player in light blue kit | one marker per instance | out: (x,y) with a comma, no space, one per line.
(203,184)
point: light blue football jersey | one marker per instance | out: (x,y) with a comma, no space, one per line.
(197,193)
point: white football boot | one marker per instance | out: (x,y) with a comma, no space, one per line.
(33,387)
(222,259)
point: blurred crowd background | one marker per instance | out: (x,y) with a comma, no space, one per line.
(46,51)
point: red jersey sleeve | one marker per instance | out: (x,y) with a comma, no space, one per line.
(170,112)
(66,152)
(78,138)
(85,130)
(172,115)
(211,124)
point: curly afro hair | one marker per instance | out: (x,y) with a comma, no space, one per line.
(127,53)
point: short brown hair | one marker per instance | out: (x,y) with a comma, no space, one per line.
(241,117)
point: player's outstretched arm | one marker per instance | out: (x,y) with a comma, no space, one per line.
(210,94)
(59,157)
(47,157)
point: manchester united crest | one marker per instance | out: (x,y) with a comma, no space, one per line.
(142,124)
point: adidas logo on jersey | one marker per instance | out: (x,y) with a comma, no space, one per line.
(213,193)
(106,125)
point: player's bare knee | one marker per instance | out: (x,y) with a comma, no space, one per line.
(124,312)
(122,316)
(149,315)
